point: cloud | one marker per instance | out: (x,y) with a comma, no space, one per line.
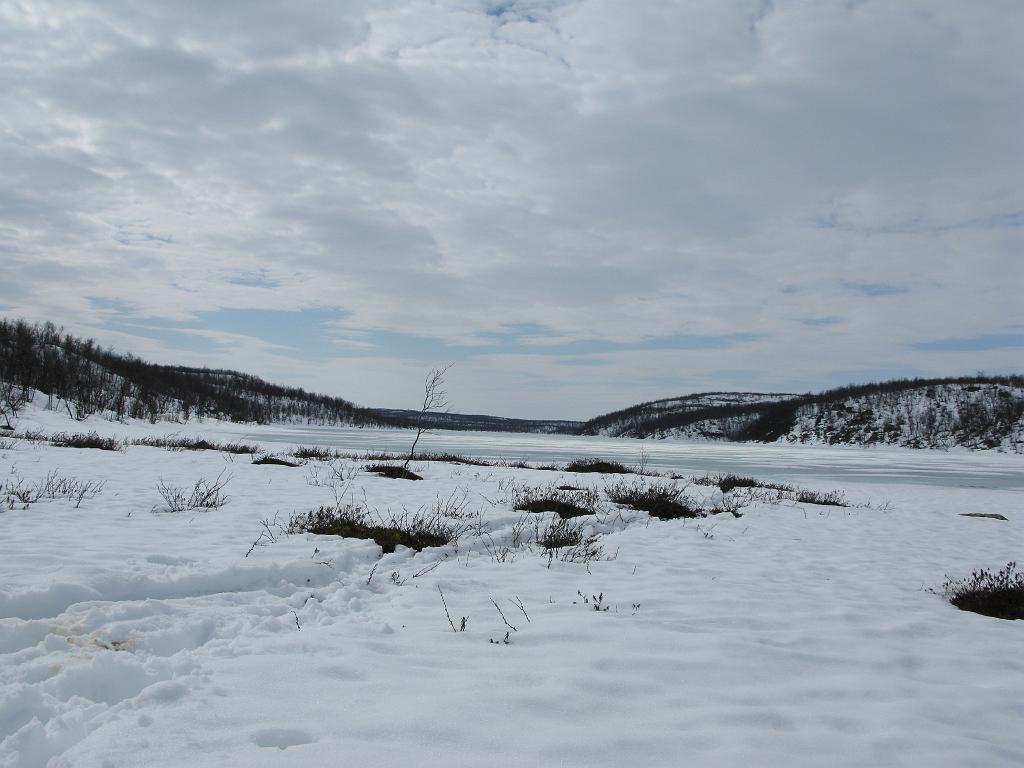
(978,343)
(406,181)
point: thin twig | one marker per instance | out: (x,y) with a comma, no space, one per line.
(518,603)
(502,614)
(445,604)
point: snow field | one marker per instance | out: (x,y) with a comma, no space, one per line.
(794,635)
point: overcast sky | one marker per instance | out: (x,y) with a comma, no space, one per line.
(583,204)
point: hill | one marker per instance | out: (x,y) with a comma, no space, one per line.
(83,378)
(984,412)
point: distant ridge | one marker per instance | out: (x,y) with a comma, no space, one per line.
(77,375)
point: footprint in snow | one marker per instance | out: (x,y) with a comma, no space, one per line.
(282,738)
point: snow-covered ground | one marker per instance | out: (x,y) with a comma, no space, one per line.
(795,635)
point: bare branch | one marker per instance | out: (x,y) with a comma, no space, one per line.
(502,614)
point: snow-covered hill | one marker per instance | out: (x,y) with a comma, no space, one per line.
(977,413)
(971,415)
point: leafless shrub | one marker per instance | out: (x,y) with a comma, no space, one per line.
(270,530)
(454,506)
(31,436)
(17,491)
(334,474)
(416,530)
(205,494)
(567,541)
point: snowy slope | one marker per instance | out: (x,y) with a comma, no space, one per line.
(976,414)
(795,635)
(970,415)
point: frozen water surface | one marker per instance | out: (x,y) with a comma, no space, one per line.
(958,468)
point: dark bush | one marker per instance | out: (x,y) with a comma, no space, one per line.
(274,461)
(454,458)
(174,443)
(729,482)
(560,533)
(87,440)
(237,448)
(831,498)
(664,501)
(417,531)
(598,465)
(565,503)
(316,452)
(393,471)
(1000,594)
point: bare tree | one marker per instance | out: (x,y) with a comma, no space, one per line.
(435,398)
(12,399)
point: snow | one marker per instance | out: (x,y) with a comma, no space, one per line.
(795,635)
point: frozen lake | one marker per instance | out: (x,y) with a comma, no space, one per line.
(955,469)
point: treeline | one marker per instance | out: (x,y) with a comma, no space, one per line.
(84,378)
(673,411)
(476,422)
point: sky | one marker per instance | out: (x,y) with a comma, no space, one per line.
(582,204)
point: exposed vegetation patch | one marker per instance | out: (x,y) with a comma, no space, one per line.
(314,452)
(560,533)
(1000,594)
(454,458)
(86,440)
(565,504)
(729,482)
(567,541)
(275,461)
(393,471)
(665,501)
(30,436)
(829,498)
(177,443)
(326,454)
(417,531)
(598,465)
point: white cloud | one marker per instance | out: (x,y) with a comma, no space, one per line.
(607,171)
